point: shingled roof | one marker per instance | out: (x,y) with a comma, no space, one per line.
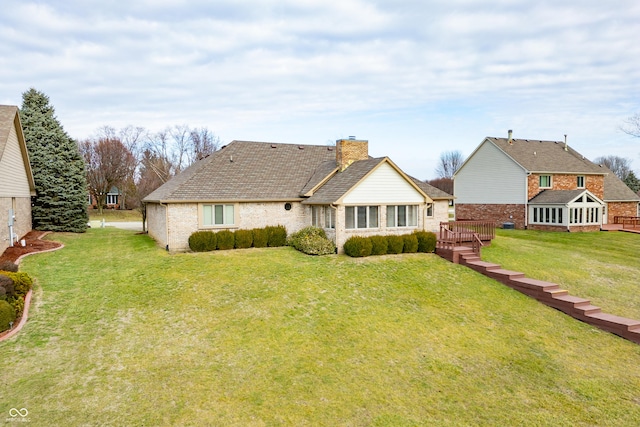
(546,156)
(263,171)
(555,197)
(615,190)
(10,119)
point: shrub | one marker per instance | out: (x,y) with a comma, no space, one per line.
(358,246)
(3,294)
(396,244)
(8,266)
(226,239)
(22,283)
(203,241)
(260,237)
(243,239)
(7,314)
(426,241)
(379,245)
(6,284)
(312,241)
(18,305)
(410,243)
(277,236)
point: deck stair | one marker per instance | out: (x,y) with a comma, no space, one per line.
(547,293)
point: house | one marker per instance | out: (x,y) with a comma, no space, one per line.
(249,185)
(112,200)
(16,180)
(542,185)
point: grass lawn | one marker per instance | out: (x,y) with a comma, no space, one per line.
(603,267)
(123,333)
(115,215)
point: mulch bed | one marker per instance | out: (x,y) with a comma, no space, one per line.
(33,244)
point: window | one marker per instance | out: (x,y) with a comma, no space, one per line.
(402,216)
(315,216)
(547,216)
(429,210)
(580,181)
(361,216)
(545,181)
(329,217)
(218,215)
(112,199)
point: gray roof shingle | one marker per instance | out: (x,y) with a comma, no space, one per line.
(546,156)
(615,190)
(555,197)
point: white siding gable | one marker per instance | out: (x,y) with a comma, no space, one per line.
(490,177)
(383,186)
(13,176)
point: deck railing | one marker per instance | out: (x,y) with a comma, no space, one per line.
(459,233)
(627,221)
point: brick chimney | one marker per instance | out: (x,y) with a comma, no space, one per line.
(351,150)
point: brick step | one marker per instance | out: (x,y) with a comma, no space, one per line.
(482,266)
(504,276)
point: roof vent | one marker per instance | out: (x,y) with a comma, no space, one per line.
(329,148)
(352,137)
(510,140)
(300,147)
(273,145)
(566,147)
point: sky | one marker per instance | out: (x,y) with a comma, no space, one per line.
(415,78)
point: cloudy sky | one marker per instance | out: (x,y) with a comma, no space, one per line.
(414,77)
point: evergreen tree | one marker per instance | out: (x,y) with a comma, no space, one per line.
(61,197)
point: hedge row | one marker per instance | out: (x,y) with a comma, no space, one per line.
(204,241)
(312,241)
(418,241)
(14,286)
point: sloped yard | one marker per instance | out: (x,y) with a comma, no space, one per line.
(122,333)
(603,267)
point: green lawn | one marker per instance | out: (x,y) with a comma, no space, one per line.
(115,215)
(123,333)
(603,267)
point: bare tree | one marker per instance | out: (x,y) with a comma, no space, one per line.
(203,143)
(621,166)
(444,184)
(632,125)
(450,161)
(109,164)
(153,171)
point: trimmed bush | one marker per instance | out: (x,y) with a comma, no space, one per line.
(358,246)
(260,237)
(396,244)
(17,303)
(243,239)
(226,239)
(277,236)
(312,241)
(203,241)
(379,245)
(426,241)
(8,266)
(7,314)
(22,283)
(410,243)
(6,285)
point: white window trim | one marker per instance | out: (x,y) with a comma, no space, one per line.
(584,181)
(550,181)
(395,216)
(355,217)
(201,223)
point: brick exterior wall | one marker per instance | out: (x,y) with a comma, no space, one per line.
(593,183)
(499,213)
(621,209)
(22,223)
(156,223)
(350,150)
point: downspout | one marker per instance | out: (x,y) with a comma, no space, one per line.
(166,225)
(526,201)
(335,225)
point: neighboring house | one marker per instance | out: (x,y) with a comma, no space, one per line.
(16,179)
(249,185)
(111,202)
(543,185)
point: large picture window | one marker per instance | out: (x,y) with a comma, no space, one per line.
(402,216)
(547,216)
(361,216)
(218,215)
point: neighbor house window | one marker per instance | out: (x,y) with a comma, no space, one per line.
(545,181)
(112,199)
(218,215)
(402,216)
(580,181)
(361,216)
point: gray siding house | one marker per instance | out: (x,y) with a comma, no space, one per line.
(16,180)
(249,185)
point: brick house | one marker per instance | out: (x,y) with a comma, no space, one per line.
(543,185)
(16,180)
(249,185)
(112,201)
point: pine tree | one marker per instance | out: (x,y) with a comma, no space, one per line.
(58,169)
